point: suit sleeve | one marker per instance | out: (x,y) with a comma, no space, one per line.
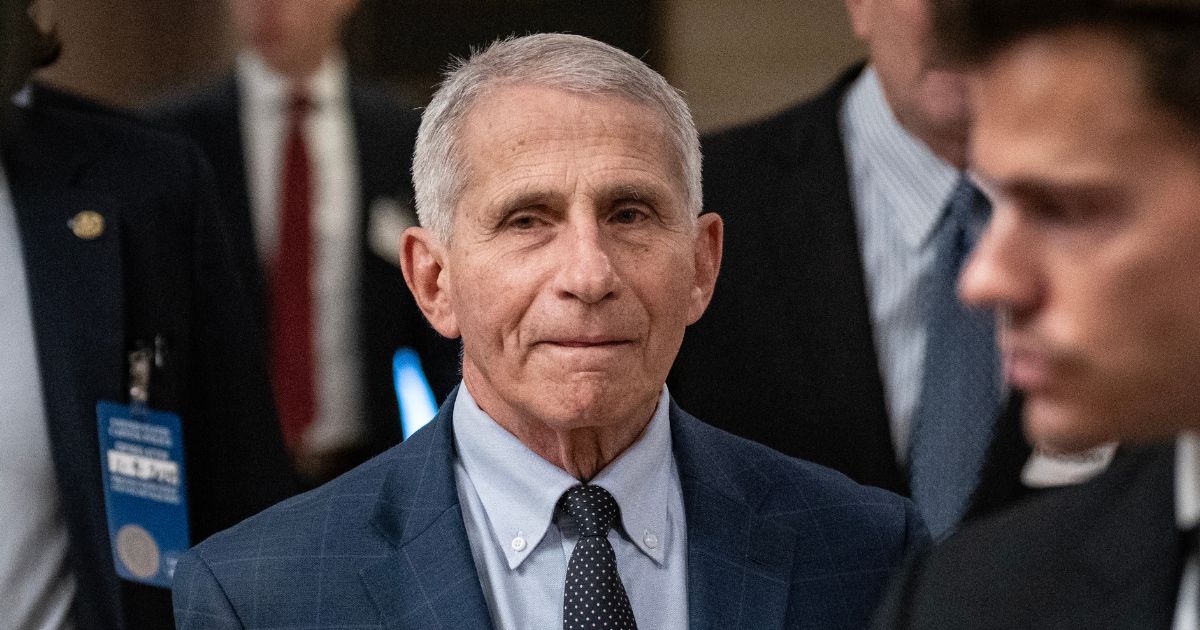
(198,600)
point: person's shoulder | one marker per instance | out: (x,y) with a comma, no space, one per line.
(118,153)
(1018,559)
(87,122)
(785,128)
(1056,517)
(797,487)
(381,103)
(185,107)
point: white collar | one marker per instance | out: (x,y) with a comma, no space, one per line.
(519,490)
(1187,481)
(266,88)
(915,182)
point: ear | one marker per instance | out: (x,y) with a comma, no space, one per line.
(710,238)
(860,17)
(422,258)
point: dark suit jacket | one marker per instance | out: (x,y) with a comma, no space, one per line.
(389,318)
(772,543)
(785,354)
(1105,554)
(161,267)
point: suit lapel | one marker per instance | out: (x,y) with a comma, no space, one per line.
(739,562)
(76,290)
(429,580)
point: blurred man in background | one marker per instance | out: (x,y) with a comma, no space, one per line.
(117,286)
(834,334)
(312,169)
(1087,136)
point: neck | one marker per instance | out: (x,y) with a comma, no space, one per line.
(583,453)
(582,445)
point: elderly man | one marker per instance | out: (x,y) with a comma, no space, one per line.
(1088,136)
(558,185)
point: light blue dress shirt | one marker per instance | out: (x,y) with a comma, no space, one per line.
(900,189)
(521,545)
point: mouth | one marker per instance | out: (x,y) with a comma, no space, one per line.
(603,342)
(1028,369)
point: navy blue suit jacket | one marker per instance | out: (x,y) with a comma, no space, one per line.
(773,542)
(160,268)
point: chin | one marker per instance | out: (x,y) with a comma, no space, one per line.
(1062,427)
(596,402)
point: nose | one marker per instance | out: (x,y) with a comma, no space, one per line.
(1002,272)
(587,273)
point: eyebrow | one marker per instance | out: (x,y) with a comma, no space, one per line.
(523,199)
(1026,185)
(645,193)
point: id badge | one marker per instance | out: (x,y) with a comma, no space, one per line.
(145,490)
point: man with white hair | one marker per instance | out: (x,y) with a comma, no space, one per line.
(558,188)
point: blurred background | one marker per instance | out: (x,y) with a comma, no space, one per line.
(736,60)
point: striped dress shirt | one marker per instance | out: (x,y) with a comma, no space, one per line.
(900,189)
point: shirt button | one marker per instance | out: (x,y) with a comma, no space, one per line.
(518,544)
(650,539)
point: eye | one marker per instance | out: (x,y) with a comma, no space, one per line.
(629,215)
(524,221)
(1070,209)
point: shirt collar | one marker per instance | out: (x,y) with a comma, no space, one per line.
(1187,481)
(24,96)
(519,490)
(915,182)
(265,88)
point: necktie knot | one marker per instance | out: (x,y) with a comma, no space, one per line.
(967,214)
(299,103)
(592,507)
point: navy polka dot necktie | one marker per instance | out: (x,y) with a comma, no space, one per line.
(593,596)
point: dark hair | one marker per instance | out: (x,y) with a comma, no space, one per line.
(1166,33)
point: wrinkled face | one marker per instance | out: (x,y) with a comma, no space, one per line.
(1094,245)
(928,100)
(291,35)
(574,265)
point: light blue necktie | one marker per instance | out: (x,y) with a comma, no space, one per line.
(960,392)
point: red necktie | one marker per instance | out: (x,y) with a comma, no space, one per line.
(292,360)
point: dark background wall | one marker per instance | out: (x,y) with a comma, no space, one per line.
(735,59)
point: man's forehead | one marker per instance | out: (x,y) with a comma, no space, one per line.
(513,111)
(1060,91)
(547,128)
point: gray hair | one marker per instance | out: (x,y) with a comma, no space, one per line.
(571,63)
